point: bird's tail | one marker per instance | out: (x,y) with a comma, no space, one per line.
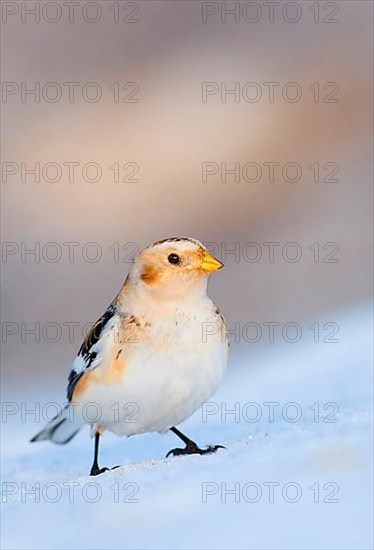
(60,429)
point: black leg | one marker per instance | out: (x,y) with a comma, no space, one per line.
(191,447)
(95,470)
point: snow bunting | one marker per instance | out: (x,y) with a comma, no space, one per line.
(148,363)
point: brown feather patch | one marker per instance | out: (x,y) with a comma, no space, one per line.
(150,274)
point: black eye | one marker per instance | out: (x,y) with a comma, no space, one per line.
(173,259)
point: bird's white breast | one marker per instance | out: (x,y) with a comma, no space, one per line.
(170,367)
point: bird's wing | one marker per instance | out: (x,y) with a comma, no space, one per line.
(91,351)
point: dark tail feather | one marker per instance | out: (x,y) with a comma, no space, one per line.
(60,429)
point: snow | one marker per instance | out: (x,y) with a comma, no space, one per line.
(156,503)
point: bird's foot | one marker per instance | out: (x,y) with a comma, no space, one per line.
(192,449)
(95,470)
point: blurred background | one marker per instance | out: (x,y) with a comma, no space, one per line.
(169,133)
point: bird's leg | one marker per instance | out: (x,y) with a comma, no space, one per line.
(191,447)
(95,470)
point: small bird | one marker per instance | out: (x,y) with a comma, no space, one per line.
(157,353)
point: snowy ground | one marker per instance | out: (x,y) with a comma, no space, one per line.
(321,471)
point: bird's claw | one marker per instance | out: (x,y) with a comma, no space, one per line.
(95,471)
(193,449)
(212,449)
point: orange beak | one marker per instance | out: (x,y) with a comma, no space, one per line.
(210,263)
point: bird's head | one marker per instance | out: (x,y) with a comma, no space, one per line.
(173,266)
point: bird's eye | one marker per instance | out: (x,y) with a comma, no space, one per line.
(173,259)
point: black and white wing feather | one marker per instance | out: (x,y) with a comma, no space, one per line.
(90,353)
(64,427)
